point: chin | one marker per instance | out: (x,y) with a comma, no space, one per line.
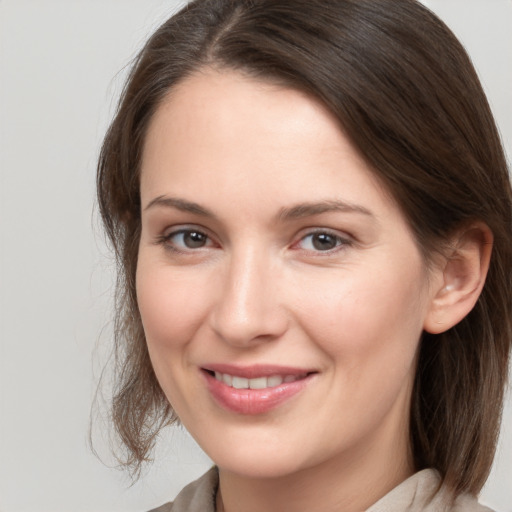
(257,459)
(271,467)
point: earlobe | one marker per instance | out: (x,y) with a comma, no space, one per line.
(462,277)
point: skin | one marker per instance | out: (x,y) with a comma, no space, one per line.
(259,291)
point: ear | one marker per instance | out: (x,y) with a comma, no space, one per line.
(460,278)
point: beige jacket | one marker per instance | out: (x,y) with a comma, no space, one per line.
(416,494)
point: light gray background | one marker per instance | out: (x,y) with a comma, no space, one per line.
(58,86)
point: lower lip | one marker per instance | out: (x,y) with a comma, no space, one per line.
(253,401)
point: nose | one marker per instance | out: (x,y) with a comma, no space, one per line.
(248,309)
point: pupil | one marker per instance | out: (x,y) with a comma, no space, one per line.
(324,242)
(193,239)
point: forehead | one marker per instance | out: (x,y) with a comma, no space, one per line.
(238,106)
(260,142)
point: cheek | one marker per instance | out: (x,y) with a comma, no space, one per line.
(171,305)
(361,317)
(172,308)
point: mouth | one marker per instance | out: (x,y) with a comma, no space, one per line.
(263,382)
(254,390)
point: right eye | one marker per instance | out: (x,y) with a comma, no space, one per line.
(186,240)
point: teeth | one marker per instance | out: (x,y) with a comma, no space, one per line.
(260,383)
(275,380)
(256,383)
(240,383)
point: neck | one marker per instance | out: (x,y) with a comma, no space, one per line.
(349,483)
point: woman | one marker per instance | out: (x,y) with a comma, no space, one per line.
(313,218)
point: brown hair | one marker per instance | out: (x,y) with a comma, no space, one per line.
(407,95)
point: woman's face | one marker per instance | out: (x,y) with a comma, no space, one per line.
(281,291)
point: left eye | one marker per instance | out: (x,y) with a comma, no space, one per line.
(321,241)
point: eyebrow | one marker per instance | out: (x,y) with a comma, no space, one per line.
(179,204)
(292,213)
(316,208)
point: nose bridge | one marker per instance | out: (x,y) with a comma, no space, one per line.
(248,306)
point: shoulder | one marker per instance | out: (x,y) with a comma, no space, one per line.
(422,492)
(467,503)
(199,496)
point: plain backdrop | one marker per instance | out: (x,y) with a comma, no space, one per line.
(62,64)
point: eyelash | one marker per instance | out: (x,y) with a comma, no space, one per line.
(339,241)
(166,240)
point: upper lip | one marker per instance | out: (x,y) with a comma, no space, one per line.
(255,371)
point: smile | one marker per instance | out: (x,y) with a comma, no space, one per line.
(256,383)
(254,390)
